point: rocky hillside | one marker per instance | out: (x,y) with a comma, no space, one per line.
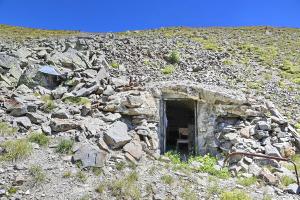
(75,112)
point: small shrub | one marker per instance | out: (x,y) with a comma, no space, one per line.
(16,149)
(168,69)
(234,195)
(120,165)
(247,181)
(65,146)
(67,174)
(188,194)
(49,104)
(39,138)
(167,179)
(78,101)
(286,180)
(100,188)
(297,126)
(12,190)
(81,176)
(114,64)
(37,174)
(6,129)
(174,57)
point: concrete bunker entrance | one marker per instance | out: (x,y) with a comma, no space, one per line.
(179,126)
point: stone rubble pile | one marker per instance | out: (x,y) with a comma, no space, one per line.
(108,113)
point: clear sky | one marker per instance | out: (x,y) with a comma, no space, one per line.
(122,15)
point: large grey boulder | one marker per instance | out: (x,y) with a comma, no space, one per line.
(15,107)
(117,135)
(90,156)
(71,59)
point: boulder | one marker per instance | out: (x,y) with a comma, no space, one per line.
(71,59)
(59,125)
(15,107)
(134,148)
(36,117)
(23,121)
(117,135)
(83,92)
(263,125)
(59,92)
(268,177)
(271,151)
(90,156)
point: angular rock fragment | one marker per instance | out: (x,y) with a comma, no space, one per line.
(117,135)
(59,125)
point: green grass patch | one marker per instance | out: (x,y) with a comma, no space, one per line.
(37,173)
(16,149)
(78,101)
(247,181)
(286,180)
(126,188)
(7,130)
(208,164)
(20,33)
(81,176)
(208,44)
(100,188)
(114,64)
(167,179)
(120,165)
(67,174)
(235,194)
(65,146)
(39,138)
(188,194)
(49,104)
(168,69)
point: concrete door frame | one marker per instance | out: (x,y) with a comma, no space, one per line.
(162,124)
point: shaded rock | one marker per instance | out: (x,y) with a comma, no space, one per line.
(134,148)
(117,135)
(263,125)
(61,114)
(59,125)
(83,92)
(90,156)
(36,118)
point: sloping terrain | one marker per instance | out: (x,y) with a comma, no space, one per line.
(45,125)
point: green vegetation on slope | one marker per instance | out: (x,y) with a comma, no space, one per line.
(21,33)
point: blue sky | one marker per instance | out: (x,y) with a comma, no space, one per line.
(122,15)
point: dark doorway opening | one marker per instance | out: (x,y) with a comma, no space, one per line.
(179,126)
